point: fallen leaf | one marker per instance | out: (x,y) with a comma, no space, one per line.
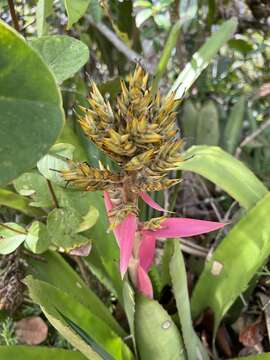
(31,330)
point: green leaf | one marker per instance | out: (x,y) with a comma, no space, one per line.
(63,225)
(105,244)
(63,54)
(38,352)
(157,337)
(35,186)
(57,304)
(265,356)
(56,160)
(179,283)
(88,339)
(10,239)
(14,201)
(38,239)
(70,282)
(189,122)
(202,58)
(240,45)
(31,114)
(43,10)
(75,10)
(166,53)
(129,307)
(88,220)
(234,125)
(208,125)
(226,172)
(187,12)
(234,263)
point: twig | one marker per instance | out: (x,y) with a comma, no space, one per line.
(251,137)
(54,198)
(13,15)
(119,44)
(15,230)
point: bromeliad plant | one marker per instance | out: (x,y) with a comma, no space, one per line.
(138,132)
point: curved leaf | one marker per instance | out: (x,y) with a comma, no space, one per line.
(21,203)
(31,115)
(63,54)
(75,10)
(234,125)
(59,306)
(38,352)
(179,283)
(70,282)
(207,128)
(157,337)
(234,263)
(226,172)
(202,58)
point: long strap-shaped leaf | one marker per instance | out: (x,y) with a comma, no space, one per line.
(226,172)
(38,352)
(193,346)
(237,259)
(202,58)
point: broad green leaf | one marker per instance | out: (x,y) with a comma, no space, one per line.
(187,12)
(166,53)
(189,122)
(10,239)
(75,10)
(56,160)
(63,225)
(234,263)
(234,125)
(31,114)
(15,201)
(208,125)
(88,220)
(202,58)
(179,284)
(38,239)
(38,352)
(226,172)
(57,272)
(157,337)
(58,305)
(36,187)
(43,10)
(63,54)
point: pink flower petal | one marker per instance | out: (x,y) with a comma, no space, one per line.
(183,227)
(147,250)
(149,201)
(125,235)
(144,284)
